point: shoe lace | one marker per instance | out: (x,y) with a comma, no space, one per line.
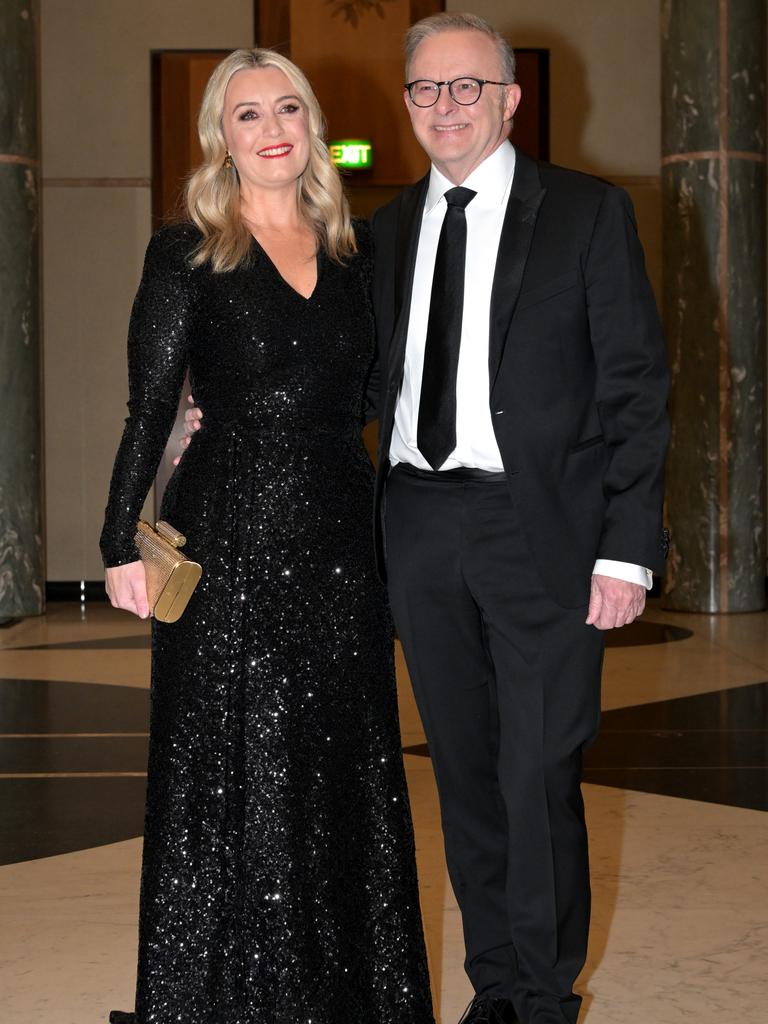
(483,1011)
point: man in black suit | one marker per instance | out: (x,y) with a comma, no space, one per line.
(521,390)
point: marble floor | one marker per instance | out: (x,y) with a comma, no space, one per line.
(676,791)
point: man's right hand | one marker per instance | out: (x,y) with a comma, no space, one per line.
(127,588)
(192,418)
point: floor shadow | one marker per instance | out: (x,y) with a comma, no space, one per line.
(428,835)
(606,813)
(432,875)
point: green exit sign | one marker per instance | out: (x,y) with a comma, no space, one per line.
(352,154)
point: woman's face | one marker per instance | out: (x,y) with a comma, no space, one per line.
(266,128)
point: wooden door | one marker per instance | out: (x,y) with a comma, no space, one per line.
(179,78)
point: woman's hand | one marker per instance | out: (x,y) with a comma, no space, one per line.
(127,588)
(192,423)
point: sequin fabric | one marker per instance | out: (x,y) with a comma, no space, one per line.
(278,880)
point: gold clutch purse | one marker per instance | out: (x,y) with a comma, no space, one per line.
(171,576)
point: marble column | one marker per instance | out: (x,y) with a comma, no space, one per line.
(21,499)
(714,209)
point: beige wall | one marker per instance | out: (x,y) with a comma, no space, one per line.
(96,201)
(605,76)
(96,222)
(605,100)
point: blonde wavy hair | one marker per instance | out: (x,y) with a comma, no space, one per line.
(213,190)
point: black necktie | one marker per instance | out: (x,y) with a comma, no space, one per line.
(436,434)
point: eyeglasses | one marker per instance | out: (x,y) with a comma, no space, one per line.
(466,91)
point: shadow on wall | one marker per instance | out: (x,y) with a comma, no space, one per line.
(568,80)
(571,107)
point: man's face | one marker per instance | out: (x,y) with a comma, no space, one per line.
(458,138)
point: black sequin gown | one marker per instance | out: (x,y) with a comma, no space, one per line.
(278,882)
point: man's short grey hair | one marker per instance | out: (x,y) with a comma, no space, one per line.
(448,22)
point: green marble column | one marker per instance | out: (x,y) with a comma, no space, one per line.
(714,196)
(21,501)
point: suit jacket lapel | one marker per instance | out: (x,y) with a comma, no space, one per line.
(516,235)
(408,229)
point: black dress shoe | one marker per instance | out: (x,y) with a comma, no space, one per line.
(487,1010)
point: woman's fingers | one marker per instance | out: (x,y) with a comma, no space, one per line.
(139,590)
(127,588)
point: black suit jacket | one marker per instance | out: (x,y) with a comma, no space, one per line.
(577,369)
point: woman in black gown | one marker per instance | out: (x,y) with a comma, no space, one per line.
(278,881)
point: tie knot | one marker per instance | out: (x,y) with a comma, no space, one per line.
(459,196)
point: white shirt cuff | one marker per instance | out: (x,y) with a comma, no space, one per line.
(624,571)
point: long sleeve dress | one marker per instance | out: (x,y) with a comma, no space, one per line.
(278,879)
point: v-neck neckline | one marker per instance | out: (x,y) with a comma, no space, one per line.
(288,285)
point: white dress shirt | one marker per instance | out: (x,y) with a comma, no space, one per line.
(476,444)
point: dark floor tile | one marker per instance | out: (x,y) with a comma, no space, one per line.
(735,787)
(42,817)
(741,707)
(45,817)
(642,633)
(679,749)
(74,754)
(709,746)
(43,706)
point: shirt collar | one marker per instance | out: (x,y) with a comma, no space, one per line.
(490,180)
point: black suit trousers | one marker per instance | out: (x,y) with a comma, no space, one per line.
(508,686)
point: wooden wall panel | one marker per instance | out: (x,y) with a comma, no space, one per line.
(356,68)
(272,25)
(352,54)
(179,78)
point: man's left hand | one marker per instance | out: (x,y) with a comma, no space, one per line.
(614,603)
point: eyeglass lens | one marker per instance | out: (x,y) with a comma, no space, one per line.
(463,90)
